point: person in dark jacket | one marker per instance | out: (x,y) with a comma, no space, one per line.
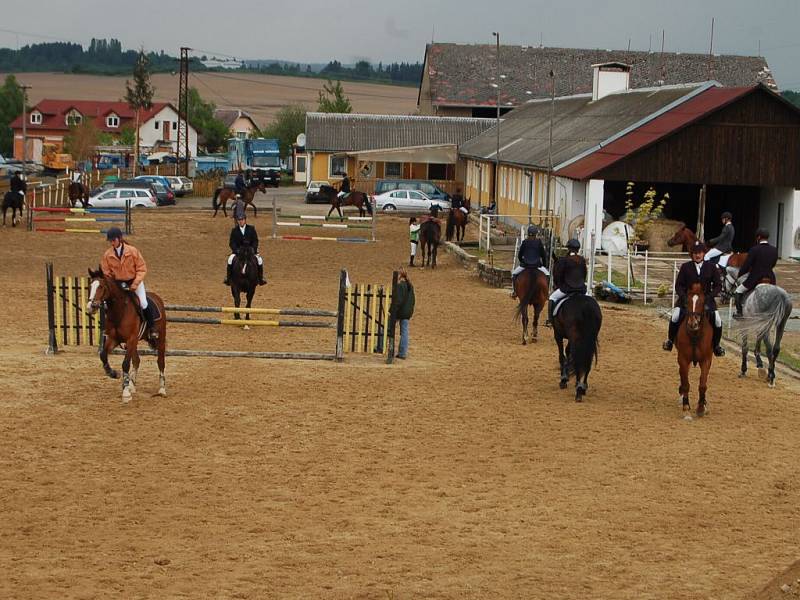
(758,266)
(240,184)
(240,234)
(697,270)
(344,187)
(531,255)
(569,277)
(402,309)
(723,243)
(17,184)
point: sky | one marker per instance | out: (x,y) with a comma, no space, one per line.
(321,30)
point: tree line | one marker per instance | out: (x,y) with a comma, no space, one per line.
(401,73)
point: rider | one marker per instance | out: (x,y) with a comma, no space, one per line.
(17,184)
(240,184)
(700,271)
(457,201)
(241,233)
(759,264)
(531,255)
(569,277)
(723,243)
(123,262)
(344,188)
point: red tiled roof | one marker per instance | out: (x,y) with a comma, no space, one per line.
(650,132)
(54,114)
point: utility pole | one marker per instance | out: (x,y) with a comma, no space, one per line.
(182,151)
(25,89)
(496,34)
(550,143)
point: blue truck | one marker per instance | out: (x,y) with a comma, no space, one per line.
(260,155)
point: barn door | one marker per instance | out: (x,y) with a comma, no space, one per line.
(166,125)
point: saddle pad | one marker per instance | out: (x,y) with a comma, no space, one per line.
(154,308)
(560,302)
(723,260)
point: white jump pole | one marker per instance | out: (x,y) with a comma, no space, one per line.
(645,275)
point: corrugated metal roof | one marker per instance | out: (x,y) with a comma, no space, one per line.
(578,125)
(338,132)
(652,131)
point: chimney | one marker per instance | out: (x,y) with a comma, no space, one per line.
(609,78)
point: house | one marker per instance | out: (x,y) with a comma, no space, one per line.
(457,79)
(370,147)
(712,148)
(239,123)
(49,121)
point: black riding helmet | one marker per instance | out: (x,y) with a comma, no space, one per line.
(532,230)
(114,233)
(726,215)
(573,244)
(762,233)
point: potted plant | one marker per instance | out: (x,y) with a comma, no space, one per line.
(640,215)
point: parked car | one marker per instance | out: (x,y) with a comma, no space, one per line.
(118,198)
(312,191)
(159,178)
(188,184)
(113,182)
(408,200)
(161,185)
(179,185)
(431,190)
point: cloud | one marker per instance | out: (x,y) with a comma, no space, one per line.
(392,30)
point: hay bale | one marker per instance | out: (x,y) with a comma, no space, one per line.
(660,231)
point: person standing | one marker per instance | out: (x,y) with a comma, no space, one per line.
(402,309)
(413,235)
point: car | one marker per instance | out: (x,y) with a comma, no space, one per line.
(164,194)
(188,184)
(159,178)
(118,198)
(430,189)
(177,185)
(408,200)
(312,191)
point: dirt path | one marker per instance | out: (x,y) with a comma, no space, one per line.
(461,472)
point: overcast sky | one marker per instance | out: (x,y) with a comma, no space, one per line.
(320,30)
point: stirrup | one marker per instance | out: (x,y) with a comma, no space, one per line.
(667,345)
(719,351)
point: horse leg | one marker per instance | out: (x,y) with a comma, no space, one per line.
(130,351)
(705,367)
(524,315)
(236,300)
(562,362)
(108,346)
(743,372)
(683,390)
(249,295)
(333,205)
(537,310)
(134,372)
(770,372)
(5,210)
(434,252)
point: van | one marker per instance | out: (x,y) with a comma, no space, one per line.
(433,191)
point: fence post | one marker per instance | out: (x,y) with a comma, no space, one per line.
(372,203)
(339,353)
(52,341)
(628,273)
(674,277)
(274,218)
(609,266)
(128,220)
(646,256)
(590,286)
(390,326)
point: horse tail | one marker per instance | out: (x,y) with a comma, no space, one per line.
(214,202)
(529,297)
(585,348)
(761,323)
(451,226)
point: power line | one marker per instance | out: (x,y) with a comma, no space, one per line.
(213,91)
(41,36)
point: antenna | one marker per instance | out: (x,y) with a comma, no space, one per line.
(759,47)
(433,32)
(650,44)
(663,63)
(711,51)
(541,40)
(629,45)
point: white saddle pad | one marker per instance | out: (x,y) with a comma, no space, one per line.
(723,260)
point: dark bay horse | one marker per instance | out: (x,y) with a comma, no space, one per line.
(78,192)
(123,326)
(530,287)
(360,200)
(430,235)
(578,320)
(457,222)
(244,278)
(15,201)
(766,309)
(695,347)
(223,195)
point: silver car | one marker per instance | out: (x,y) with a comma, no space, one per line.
(118,198)
(408,200)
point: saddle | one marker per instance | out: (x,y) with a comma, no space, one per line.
(564,299)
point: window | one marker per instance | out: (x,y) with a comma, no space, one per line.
(112,121)
(437,171)
(416,195)
(109,194)
(157,123)
(337,166)
(301,164)
(428,188)
(73,118)
(142,194)
(242,135)
(36,118)
(398,194)
(174,126)
(393,169)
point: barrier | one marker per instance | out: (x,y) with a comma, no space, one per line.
(315,222)
(361,320)
(121,217)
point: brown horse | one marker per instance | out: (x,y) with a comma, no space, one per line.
(430,235)
(223,195)
(360,200)
(694,343)
(15,201)
(457,222)
(123,326)
(530,287)
(78,192)
(684,237)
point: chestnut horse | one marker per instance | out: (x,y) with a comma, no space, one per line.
(694,344)
(530,287)
(123,326)
(223,195)
(457,222)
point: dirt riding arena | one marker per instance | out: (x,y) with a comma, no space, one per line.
(461,472)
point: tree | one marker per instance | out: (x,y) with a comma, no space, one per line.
(201,117)
(333,100)
(793,97)
(82,140)
(290,121)
(11,100)
(139,96)
(127,136)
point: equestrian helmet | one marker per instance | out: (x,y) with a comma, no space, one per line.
(698,246)
(573,244)
(727,215)
(114,233)
(762,233)
(532,230)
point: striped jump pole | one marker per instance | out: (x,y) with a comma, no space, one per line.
(321,221)
(121,216)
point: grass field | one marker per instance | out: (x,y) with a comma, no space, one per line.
(260,95)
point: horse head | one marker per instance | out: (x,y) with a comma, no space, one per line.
(695,308)
(680,237)
(100,290)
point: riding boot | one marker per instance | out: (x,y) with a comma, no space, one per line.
(715,341)
(411,261)
(671,335)
(261,280)
(148,317)
(551,307)
(737,298)
(513,287)
(228,275)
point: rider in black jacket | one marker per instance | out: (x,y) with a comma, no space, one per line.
(569,277)
(243,233)
(531,255)
(758,266)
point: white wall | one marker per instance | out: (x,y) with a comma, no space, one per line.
(593,215)
(149,134)
(771,198)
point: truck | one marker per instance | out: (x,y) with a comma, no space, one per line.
(259,154)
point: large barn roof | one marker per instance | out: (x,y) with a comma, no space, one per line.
(461,74)
(339,132)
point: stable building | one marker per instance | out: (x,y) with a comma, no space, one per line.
(372,147)
(712,148)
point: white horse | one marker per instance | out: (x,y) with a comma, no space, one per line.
(767,307)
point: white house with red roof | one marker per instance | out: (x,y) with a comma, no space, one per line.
(49,121)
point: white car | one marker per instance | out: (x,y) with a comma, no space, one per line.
(118,197)
(408,200)
(180,185)
(312,191)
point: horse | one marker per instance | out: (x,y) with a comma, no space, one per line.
(360,200)
(684,237)
(766,308)
(78,192)
(430,234)
(578,320)
(15,201)
(223,195)
(123,326)
(244,278)
(695,346)
(457,222)
(530,287)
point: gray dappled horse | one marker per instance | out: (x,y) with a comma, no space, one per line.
(767,307)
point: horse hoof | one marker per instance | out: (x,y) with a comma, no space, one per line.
(701,411)
(742,374)
(524,342)
(126,395)
(771,384)
(246,327)
(162,392)
(562,384)
(687,418)
(113,374)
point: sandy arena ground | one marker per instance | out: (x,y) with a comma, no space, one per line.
(463,472)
